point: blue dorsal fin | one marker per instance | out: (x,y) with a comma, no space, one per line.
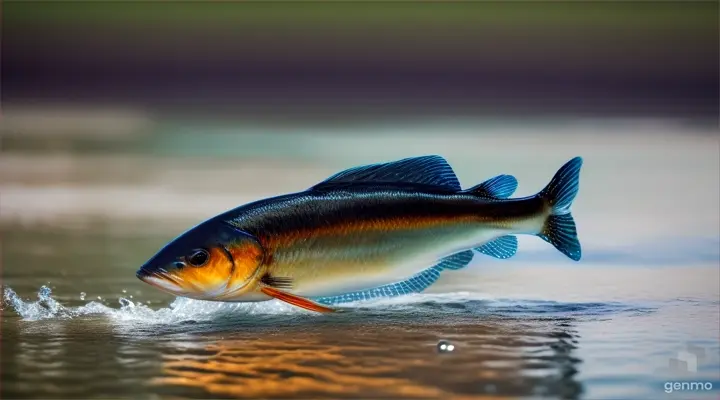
(415,284)
(502,247)
(499,187)
(425,170)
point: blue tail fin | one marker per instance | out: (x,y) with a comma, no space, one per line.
(559,229)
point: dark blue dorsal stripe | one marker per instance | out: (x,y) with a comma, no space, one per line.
(425,170)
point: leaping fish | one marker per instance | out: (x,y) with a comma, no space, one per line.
(375,230)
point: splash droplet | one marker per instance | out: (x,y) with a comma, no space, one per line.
(444,346)
(99,298)
(124,291)
(44,293)
(82,295)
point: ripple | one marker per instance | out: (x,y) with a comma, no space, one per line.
(183,312)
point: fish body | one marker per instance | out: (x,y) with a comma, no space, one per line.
(334,241)
(368,228)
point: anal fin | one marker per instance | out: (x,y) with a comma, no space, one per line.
(415,284)
(502,247)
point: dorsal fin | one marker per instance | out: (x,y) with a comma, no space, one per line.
(424,170)
(499,187)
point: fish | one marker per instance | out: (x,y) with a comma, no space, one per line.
(375,230)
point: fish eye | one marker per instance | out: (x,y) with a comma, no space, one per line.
(198,257)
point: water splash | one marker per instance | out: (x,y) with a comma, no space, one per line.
(180,310)
(183,310)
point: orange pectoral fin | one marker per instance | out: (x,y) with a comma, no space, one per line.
(296,300)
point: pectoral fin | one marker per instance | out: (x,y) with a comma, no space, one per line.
(296,300)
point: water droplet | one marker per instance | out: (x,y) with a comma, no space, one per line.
(44,292)
(124,291)
(82,295)
(131,296)
(99,298)
(444,346)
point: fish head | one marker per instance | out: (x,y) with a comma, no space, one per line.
(213,261)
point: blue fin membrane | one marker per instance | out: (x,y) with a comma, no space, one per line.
(425,170)
(415,284)
(559,229)
(457,261)
(503,247)
(563,187)
(499,187)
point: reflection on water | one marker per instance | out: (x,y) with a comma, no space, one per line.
(508,357)
(72,360)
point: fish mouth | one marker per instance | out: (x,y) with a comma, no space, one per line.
(159,280)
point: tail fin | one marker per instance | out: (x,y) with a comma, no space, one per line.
(559,229)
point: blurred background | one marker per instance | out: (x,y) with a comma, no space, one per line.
(166,113)
(124,123)
(160,109)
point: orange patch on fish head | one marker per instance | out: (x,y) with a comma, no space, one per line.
(228,271)
(218,264)
(248,256)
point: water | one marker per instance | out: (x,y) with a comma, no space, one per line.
(640,312)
